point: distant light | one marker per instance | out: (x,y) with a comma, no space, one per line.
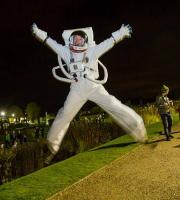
(2,113)
(13,115)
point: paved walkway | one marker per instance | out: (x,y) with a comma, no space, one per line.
(150,172)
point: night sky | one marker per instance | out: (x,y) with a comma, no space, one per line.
(137,66)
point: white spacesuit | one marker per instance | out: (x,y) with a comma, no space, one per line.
(81,58)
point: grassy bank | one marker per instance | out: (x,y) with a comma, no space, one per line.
(46,182)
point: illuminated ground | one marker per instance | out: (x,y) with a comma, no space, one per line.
(150,172)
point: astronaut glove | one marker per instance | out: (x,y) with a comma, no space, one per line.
(123,32)
(38,33)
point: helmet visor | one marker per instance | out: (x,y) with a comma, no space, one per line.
(78,41)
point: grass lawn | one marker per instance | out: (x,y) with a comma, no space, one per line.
(47,181)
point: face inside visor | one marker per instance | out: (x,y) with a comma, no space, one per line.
(77,40)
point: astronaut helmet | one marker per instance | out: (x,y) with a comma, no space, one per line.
(78,41)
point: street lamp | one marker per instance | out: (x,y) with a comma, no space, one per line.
(13,117)
(3,113)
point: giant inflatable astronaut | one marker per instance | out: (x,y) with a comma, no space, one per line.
(79,59)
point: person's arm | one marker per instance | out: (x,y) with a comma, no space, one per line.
(43,37)
(117,36)
(160,102)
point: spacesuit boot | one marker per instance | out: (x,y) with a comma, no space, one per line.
(49,158)
(50,154)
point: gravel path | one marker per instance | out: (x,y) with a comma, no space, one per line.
(150,172)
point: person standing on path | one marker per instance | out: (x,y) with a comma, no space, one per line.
(164,104)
